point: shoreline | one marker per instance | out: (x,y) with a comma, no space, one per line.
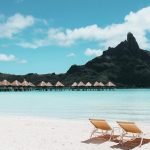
(28,133)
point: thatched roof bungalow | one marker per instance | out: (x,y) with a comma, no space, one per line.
(42,84)
(88,84)
(16,83)
(110,84)
(48,84)
(59,84)
(96,84)
(5,83)
(75,84)
(25,83)
(31,84)
(81,84)
(101,84)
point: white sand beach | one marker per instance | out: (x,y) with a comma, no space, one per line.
(31,133)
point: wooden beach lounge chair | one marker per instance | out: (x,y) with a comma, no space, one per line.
(130,130)
(103,126)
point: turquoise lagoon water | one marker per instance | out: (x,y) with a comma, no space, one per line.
(126,104)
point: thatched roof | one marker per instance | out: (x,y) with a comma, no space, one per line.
(101,84)
(25,83)
(42,84)
(59,84)
(31,84)
(88,84)
(5,83)
(74,84)
(96,84)
(110,84)
(81,84)
(16,83)
(49,84)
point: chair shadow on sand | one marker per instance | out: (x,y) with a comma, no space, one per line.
(129,145)
(97,140)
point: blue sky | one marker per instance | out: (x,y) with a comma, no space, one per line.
(47,36)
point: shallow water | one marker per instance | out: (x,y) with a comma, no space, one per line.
(126,104)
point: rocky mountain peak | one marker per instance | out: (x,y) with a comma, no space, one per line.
(128,47)
(132,43)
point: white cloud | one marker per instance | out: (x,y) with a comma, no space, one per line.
(6,58)
(15,24)
(35,44)
(11,58)
(93,52)
(136,22)
(71,55)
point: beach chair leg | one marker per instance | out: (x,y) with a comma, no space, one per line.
(121,139)
(111,135)
(93,132)
(141,142)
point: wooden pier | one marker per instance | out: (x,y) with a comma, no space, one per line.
(17,89)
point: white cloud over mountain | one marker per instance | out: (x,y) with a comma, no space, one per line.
(136,22)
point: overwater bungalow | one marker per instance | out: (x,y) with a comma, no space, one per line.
(16,86)
(25,86)
(16,83)
(101,84)
(25,83)
(110,84)
(97,84)
(42,84)
(5,83)
(81,84)
(31,84)
(88,84)
(48,84)
(75,84)
(59,84)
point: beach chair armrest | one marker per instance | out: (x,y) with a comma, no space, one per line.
(116,128)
